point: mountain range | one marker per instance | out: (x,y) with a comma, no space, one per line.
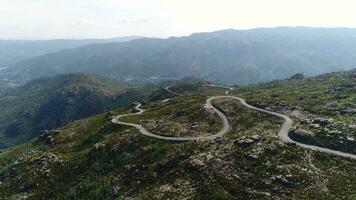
(12,51)
(228,56)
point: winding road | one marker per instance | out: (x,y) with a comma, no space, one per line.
(225,129)
(170,91)
(282,134)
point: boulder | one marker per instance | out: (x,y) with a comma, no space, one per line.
(255,137)
(302,133)
(197,163)
(321,121)
(252,157)
(297,76)
(99,146)
(243,143)
(110,115)
(348,111)
(47,136)
(314,125)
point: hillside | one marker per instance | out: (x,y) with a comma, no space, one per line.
(97,159)
(12,51)
(324,107)
(229,56)
(49,103)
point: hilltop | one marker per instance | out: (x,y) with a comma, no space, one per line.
(97,159)
(323,107)
(51,102)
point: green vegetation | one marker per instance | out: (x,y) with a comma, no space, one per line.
(323,106)
(175,118)
(227,56)
(95,159)
(49,103)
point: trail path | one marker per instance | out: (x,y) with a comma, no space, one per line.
(283,132)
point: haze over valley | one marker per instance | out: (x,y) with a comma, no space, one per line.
(225,57)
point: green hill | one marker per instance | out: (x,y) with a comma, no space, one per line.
(49,103)
(95,159)
(323,107)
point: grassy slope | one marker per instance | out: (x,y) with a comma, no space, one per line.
(182,116)
(94,159)
(325,96)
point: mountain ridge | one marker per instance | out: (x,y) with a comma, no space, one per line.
(228,57)
(12,51)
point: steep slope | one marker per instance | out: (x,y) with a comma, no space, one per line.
(230,56)
(48,103)
(12,51)
(100,160)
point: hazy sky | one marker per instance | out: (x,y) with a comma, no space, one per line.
(47,19)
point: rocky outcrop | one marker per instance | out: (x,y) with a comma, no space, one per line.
(348,111)
(47,136)
(322,121)
(248,141)
(110,115)
(297,76)
(302,135)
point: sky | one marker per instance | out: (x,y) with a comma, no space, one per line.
(53,19)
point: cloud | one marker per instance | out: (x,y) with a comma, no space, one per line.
(45,19)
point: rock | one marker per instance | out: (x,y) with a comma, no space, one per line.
(47,136)
(255,137)
(110,115)
(287,180)
(314,125)
(197,163)
(333,132)
(260,105)
(297,76)
(352,126)
(303,133)
(348,111)
(350,138)
(252,157)
(243,143)
(335,90)
(99,146)
(209,157)
(218,140)
(194,125)
(321,121)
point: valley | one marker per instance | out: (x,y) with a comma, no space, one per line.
(177,100)
(49,103)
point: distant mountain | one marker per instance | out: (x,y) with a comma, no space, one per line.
(48,103)
(12,51)
(229,56)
